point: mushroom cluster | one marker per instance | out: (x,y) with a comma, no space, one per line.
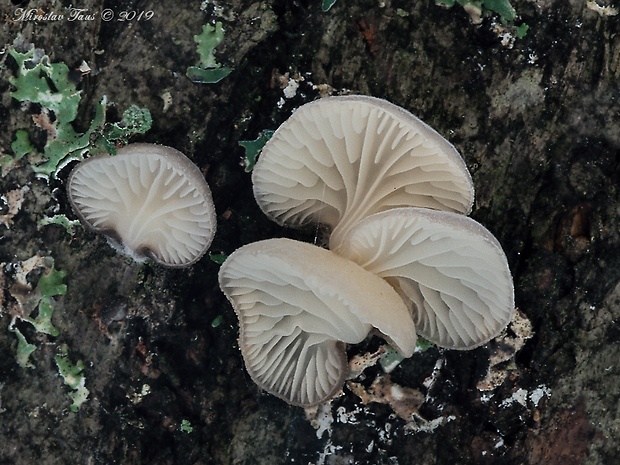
(403,256)
(149,200)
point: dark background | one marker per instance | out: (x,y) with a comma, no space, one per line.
(538,123)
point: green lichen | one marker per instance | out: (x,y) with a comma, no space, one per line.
(43,321)
(210,38)
(423,345)
(522,30)
(503,8)
(208,70)
(218,258)
(390,359)
(24,348)
(45,83)
(253,148)
(61,220)
(21,147)
(217,321)
(186,426)
(37,308)
(50,285)
(73,376)
(136,120)
(48,85)
(327,4)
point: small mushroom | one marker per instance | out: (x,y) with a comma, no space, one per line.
(340,159)
(298,304)
(150,200)
(449,269)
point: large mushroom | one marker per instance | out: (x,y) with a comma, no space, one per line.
(450,270)
(340,159)
(395,195)
(298,305)
(150,201)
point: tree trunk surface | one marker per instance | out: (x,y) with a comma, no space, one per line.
(537,121)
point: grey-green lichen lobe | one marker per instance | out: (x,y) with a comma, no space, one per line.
(476,8)
(74,378)
(38,81)
(208,70)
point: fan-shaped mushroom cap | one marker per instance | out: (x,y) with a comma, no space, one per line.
(340,159)
(448,268)
(297,304)
(149,199)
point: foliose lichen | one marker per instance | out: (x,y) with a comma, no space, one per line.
(35,306)
(73,376)
(60,220)
(479,8)
(253,148)
(136,120)
(47,84)
(186,426)
(39,81)
(501,7)
(327,4)
(208,70)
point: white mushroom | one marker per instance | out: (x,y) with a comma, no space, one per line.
(297,305)
(395,194)
(340,159)
(151,201)
(449,269)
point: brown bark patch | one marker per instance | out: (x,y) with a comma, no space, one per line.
(565,440)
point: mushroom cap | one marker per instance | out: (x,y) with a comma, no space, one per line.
(449,269)
(297,304)
(150,200)
(339,159)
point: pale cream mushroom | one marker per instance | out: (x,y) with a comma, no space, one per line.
(340,159)
(450,270)
(150,200)
(298,305)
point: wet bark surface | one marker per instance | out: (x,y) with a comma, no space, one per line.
(538,123)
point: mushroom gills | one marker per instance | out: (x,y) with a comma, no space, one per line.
(449,269)
(340,159)
(150,200)
(298,304)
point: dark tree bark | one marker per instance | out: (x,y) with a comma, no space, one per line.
(538,123)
